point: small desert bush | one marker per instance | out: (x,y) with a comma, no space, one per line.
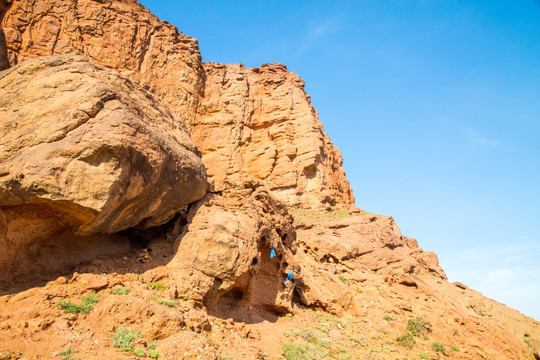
(455,348)
(439,348)
(157,285)
(121,290)
(303,352)
(422,355)
(344,280)
(387,317)
(139,352)
(88,303)
(323,328)
(123,338)
(165,302)
(419,326)
(406,340)
(154,354)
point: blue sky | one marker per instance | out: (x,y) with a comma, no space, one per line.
(434,104)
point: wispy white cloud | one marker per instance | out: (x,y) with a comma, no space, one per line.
(319,31)
(478,139)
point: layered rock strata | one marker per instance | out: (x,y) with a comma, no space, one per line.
(250,124)
(118,34)
(90,150)
(259,123)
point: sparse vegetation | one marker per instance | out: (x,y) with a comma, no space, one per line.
(439,348)
(139,352)
(406,340)
(422,355)
(389,342)
(293,351)
(121,290)
(455,348)
(387,317)
(154,354)
(419,326)
(157,285)
(165,302)
(341,324)
(323,328)
(123,338)
(527,341)
(344,280)
(151,345)
(295,331)
(66,354)
(88,303)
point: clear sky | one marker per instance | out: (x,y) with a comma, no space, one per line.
(434,104)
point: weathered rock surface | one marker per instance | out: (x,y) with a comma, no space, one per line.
(118,34)
(334,243)
(249,123)
(88,150)
(223,253)
(259,123)
(4,63)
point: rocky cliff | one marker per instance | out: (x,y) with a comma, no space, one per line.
(248,123)
(155,206)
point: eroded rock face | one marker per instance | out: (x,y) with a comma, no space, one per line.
(223,253)
(95,152)
(118,34)
(4,63)
(259,123)
(353,245)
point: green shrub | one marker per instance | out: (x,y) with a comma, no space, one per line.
(88,303)
(139,352)
(152,345)
(157,285)
(419,326)
(123,338)
(439,348)
(168,303)
(455,348)
(344,280)
(387,317)
(527,341)
(154,354)
(121,290)
(65,352)
(323,328)
(389,342)
(299,352)
(406,340)
(422,355)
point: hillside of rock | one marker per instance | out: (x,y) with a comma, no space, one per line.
(154,206)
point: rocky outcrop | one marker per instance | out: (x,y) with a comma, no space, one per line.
(223,258)
(89,150)
(343,244)
(118,34)
(259,123)
(4,63)
(248,123)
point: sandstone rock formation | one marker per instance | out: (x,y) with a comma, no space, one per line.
(250,123)
(90,150)
(259,123)
(4,63)
(223,253)
(118,34)
(91,162)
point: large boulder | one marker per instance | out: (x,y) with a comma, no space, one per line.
(223,254)
(85,149)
